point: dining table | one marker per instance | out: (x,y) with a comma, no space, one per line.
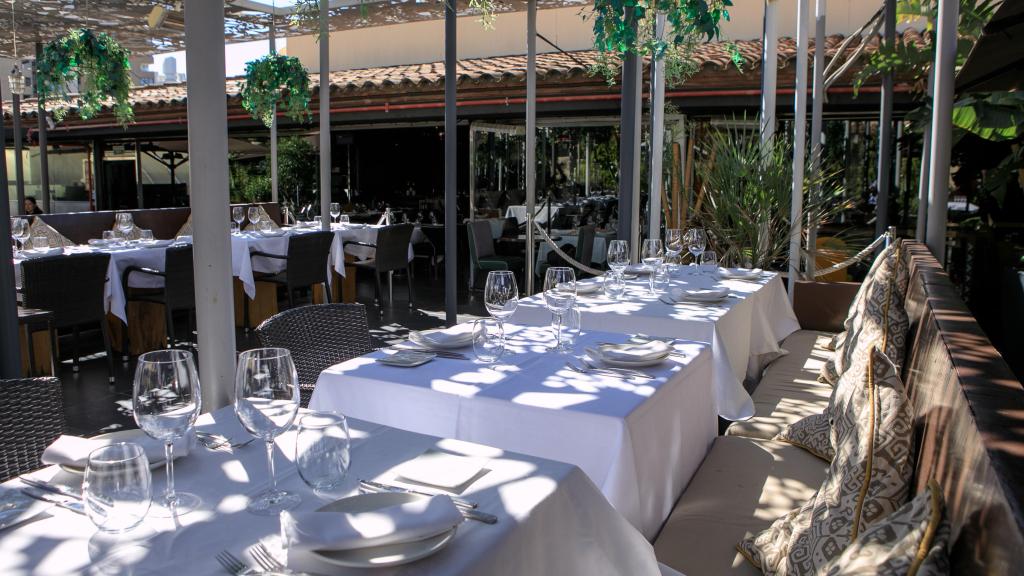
(744,330)
(551,519)
(638,439)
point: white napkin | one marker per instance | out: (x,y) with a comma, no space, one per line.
(740,273)
(74,450)
(652,350)
(441,469)
(343,531)
(29,254)
(703,295)
(460,335)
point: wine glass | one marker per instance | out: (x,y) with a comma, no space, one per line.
(26,232)
(501,295)
(488,340)
(266,401)
(618,256)
(335,211)
(254,216)
(323,450)
(696,241)
(18,227)
(238,215)
(673,244)
(653,257)
(125,224)
(117,487)
(559,296)
(166,401)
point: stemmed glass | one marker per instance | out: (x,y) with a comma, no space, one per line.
(673,245)
(166,401)
(124,224)
(696,241)
(618,256)
(19,231)
(238,215)
(501,296)
(335,211)
(254,216)
(559,296)
(653,257)
(266,402)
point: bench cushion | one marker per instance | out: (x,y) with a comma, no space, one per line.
(743,485)
(789,389)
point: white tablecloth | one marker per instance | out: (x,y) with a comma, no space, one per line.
(551,518)
(640,441)
(742,330)
(243,266)
(540,212)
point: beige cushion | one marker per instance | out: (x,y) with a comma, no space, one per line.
(742,486)
(789,389)
(911,541)
(868,479)
(55,239)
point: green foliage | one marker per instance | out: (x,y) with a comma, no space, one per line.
(249,181)
(998,116)
(99,64)
(297,169)
(274,80)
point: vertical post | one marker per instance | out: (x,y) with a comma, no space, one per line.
(451,166)
(10,352)
(817,136)
(769,71)
(208,198)
(273,121)
(926,166)
(19,143)
(799,141)
(44,160)
(531,137)
(897,169)
(586,167)
(629,143)
(942,126)
(472,172)
(138,174)
(325,115)
(885,139)
(657,134)
(97,174)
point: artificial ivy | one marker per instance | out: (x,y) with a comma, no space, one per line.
(615,28)
(276,80)
(101,67)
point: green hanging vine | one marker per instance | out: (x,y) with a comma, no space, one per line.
(274,81)
(101,67)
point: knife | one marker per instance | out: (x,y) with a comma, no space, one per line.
(467,512)
(392,488)
(52,488)
(61,502)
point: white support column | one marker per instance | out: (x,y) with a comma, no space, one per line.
(634,185)
(208,198)
(769,71)
(325,115)
(531,137)
(817,136)
(273,122)
(657,134)
(942,127)
(926,157)
(799,141)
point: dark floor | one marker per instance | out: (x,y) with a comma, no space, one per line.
(92,406)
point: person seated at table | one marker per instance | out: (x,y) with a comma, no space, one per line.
(31,207)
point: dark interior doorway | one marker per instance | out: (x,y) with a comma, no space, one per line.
(119,192)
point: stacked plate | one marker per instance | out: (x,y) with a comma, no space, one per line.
(740,273)
(703,296)
(631,354)
(444,338)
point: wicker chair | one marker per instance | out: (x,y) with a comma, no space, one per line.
(391,253)
(178,292)
(306,263)
(31,417)
(318,336)
(70,286)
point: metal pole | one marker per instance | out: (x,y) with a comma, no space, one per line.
(10,353)
(208,198)
(19,161)
(657,134)
(451,165)
(817,137)
(799,141)
(769,71)
(885,131)
(472,172)
(586,167)
(926,155)
(629,140)
(531,136)
(942,120)
(897,169)
(325,115)
(138,174)
(44,161)
(273,122)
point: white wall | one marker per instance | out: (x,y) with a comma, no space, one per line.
(423,42)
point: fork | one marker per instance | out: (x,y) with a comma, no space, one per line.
(265,559)
(624,371)
(605,371)
(231,563)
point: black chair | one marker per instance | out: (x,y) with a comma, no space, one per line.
(31,418)
(425,250)
(318,336)
(71,286)
(392,253)
(483,256)
(435,234)
(306,264)
(178,292)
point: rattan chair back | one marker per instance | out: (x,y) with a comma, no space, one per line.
(307,258)
(179,283)
(393,247)
(31,418)
(70,286)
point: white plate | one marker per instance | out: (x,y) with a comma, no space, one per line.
(122,435)
(583,289)
(407,359)
(596,355)
(380,556)
(423,339)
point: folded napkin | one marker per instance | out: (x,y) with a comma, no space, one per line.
(441,469)
(639,269)
(642,352)
(460,335)
(703,295)
(740,273)
(158,243)
(74,450)
(28,254)
(407,522)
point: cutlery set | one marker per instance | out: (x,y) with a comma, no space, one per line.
(467,508)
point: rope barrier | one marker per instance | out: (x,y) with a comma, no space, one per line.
(572,261)
(855,258)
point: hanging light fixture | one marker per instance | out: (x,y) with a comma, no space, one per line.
(16,79)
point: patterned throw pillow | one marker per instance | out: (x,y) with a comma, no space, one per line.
(264,217)
(867,480)
(812,433)
(913,540)
(836,341)
(55,239)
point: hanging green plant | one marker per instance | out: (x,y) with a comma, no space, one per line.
(98,63)
(274,81)
(686,19)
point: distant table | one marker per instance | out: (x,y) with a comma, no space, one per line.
(640,441)
(742,330)
(551,519)
(540,212)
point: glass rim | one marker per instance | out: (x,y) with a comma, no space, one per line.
(134,447)
(265,353)
(331,419)
(178,353)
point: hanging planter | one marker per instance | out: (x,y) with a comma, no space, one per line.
(275,82)
(98,63)
(686,20)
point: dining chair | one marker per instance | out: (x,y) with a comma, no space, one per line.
(305,263)
(72,287)
(435,234)
(391,254)
(482,255)
(31,418)
(425,250)
(318,336)
(177,294)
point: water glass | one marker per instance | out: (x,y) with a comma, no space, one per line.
(235,228)
(696,241)
(614,286)
(572,325)
(266,402)
(165,402)
(238,215)
(323,450)
(254,215)
(146,236)
(501,295)
(343,219)
(559,296)
(662,278)
(709,262)
(618,255)
(109,237)
(335,210)
(264,227)
(117,487)
(488,340)
(318,222)
(40,242)
(653,256)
